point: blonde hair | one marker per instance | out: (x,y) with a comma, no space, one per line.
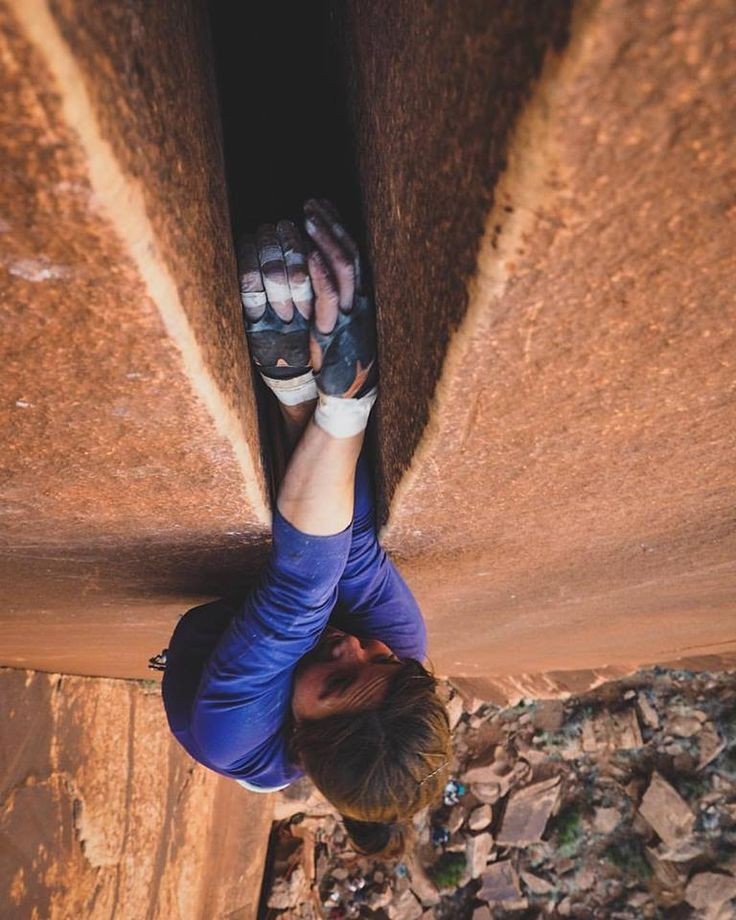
(380,766)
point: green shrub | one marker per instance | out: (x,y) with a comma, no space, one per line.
(448,871)
(568,828)
(628,856)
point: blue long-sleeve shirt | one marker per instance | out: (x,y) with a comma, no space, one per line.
(228,681)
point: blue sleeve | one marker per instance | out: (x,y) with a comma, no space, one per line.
(374,600)
(243,698)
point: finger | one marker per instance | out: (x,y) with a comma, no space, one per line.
(273,269)
(331,215)
(295,257)
(252,293)
(337,259)
(326,301)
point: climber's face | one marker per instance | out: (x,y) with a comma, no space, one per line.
(342,674)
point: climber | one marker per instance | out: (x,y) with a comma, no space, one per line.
(319,670)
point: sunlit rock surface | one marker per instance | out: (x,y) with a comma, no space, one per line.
(102,813)
(550,227)
(570,503)
(130,471)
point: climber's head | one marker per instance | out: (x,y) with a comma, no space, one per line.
(382,759)
(342,674)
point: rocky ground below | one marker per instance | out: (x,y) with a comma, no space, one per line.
(617,804)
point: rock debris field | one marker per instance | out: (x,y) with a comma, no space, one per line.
(617,804)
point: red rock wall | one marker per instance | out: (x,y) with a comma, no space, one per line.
(546,188)
(547,196)
(102,813)
(434,92)
(561,253)
(130,476)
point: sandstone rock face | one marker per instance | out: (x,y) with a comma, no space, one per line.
(435,90)
(546,194)
(570,502)
(131,480)
(545,188)
(102,813)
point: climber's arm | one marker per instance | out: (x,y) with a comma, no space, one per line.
(374,601)
(316,495)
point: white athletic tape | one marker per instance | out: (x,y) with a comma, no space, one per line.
(302,290)
(270,252)
(277,291)
(292,392)
(343,418)
(253,298)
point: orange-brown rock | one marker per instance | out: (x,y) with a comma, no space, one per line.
(550,221)
(102,813)
(130,472)
(546,193)
(570,503)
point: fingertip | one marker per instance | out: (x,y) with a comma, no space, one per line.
(284,310)
(254,304)
(286,226)
(305,307)
(329,207)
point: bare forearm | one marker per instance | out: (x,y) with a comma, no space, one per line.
(316,495)
(294,420)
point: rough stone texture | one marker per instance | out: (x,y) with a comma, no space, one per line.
(434,91)
(102,813)
(574,484)
(571,502)
(130,477)
(667,812)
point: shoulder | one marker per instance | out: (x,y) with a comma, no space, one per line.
(206,621)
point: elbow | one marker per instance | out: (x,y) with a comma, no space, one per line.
(211,740)
(214,754)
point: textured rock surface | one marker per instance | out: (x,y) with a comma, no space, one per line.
(554,251)
(435,90)
(130,472)
(546,193)
(603,851)
(571,501)
(102,813)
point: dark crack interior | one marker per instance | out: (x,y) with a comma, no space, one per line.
(283,110)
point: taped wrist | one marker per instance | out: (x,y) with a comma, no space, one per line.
(343,418)
(292,391)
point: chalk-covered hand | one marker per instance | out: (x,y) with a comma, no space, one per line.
(277,299)
(343,332)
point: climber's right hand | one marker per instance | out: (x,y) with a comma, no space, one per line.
(343,333)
